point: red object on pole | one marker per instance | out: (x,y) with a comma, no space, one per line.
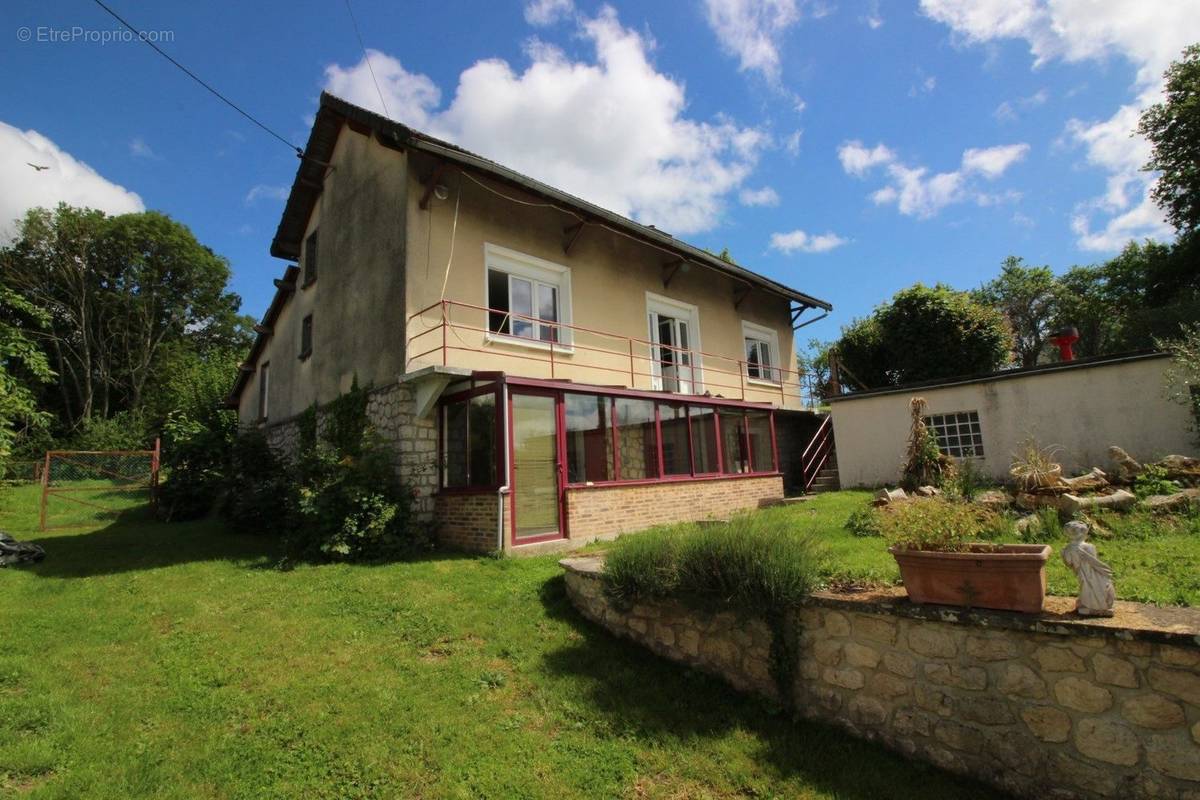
(1064,339)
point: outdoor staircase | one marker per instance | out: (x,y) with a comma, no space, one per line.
(827,477)
(819,467)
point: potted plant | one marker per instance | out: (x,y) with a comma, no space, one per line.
(935,543)
(1034,467)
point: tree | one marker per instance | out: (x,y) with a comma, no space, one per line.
(1028,298)
(115,290)
(1084,303)
(1173,128)
(22,365)
(1183,376)
(925,334)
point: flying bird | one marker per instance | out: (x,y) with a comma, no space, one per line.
(38,167)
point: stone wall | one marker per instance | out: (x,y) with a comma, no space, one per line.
(605,511)
(1038,705)
(391,412)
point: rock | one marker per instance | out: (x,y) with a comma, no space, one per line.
(867,711)
(1114,671)
(1119,500)
(1021,681)
(885,496)
(997,501)
(1171,503)
(1089,481)
(1175,758)
(836,624)
(929,641)
(885,685)
(875,628)
(1184,685)
(973,678)
(928,491)
(1026,522)
(858,655)
(1027,501)
(845,678)
(1047,723)
(991,649)
(1081,695)
(1127,468)
(986,711)
(1106,741)
(900,664)
(1058,659)
(1153,711)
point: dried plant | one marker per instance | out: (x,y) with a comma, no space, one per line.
(924,463)
(1035,467)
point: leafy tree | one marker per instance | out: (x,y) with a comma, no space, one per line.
(23,365)
(1084,302)
(1173,128)
(116,291)
(1028,298)
(925,333)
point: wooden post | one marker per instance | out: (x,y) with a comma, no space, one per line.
(835,378)
(45,488)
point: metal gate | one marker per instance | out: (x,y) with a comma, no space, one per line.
(81,488)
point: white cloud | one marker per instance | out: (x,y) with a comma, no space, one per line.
(916,193)
(262,190)
(1011,110)
(857,159)
(139,149)
(547,12)
(612,130)
(66,180)
(873,19)
(1149,34)
(925,85)
(752,30)
(991,162)
(799,241)
(792,143)
(766,196)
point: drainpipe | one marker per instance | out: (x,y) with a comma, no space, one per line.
(503,490)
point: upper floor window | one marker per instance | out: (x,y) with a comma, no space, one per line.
(306,337)
(762,352)
(674,330)
(264,388)
(958,434)
(310,258)
(527,298)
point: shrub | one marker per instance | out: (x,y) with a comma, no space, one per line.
(1153,480)
(260,488)
(967,481)
(933,524)
(196,461)
(756,563)
(125,430)
(864,522)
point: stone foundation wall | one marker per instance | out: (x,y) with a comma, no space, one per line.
(1047,706)
(603,511)
(392,412)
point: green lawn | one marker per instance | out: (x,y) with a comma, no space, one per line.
(1154,560)
(152,660)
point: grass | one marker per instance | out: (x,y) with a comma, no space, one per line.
(174,661)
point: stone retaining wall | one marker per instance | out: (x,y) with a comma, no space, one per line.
(1039,705)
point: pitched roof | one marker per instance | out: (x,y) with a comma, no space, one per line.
(334,111)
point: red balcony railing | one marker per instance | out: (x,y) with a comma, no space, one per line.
(437,332)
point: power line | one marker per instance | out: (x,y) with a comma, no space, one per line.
(196,77)
(367,59)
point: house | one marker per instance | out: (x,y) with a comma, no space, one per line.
(548,371)
(1079,408)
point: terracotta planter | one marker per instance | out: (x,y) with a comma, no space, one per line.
(1010,577)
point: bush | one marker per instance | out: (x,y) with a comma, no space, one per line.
(1153,480)
(864,522)
(757,563)
(260,493)
(967,480)
(196,458)
(126,430)
(933,524)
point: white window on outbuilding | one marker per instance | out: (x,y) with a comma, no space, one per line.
(958,433)
(529,299)
(762,353)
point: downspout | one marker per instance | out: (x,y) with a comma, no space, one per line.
(502,492)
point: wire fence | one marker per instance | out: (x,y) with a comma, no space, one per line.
(87,487)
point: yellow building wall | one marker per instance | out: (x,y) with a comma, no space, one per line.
(610,275)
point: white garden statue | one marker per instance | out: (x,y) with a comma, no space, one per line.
(1096,593)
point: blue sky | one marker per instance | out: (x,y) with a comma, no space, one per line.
(845,148)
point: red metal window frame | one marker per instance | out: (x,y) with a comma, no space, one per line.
(458,397)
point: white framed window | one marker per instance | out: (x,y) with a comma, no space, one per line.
(528,299)
(674,335)
(958,433)
(762,353)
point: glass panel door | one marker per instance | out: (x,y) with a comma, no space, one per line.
(537,496)
(671,359)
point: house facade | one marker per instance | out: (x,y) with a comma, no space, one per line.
(547,371)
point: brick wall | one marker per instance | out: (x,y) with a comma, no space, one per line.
(1049,706)
(609,510)
(468,521)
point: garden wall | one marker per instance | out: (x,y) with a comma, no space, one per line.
(1039,705)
